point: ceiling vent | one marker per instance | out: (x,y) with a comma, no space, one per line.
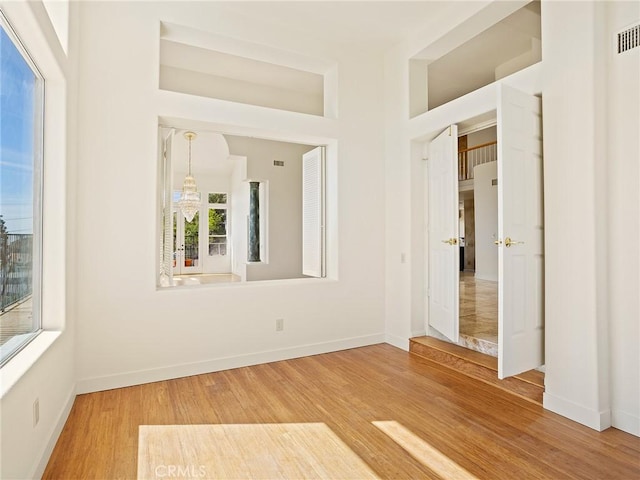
(629,38)
(278,163)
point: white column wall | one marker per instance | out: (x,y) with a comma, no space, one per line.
(398,259)
(574,307)
(128,332)
(623,251)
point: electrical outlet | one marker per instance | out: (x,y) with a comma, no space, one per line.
(36,411)
(279,324)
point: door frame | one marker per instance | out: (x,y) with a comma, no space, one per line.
(425,140)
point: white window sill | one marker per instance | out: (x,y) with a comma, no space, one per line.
(18,366)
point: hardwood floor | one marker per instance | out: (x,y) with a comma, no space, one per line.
(445,419)
(528,385)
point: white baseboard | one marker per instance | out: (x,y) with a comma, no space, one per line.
(39,468)
(140,377)
(598,420)
(419,333)
(396,341)
(490,278)
(626,422)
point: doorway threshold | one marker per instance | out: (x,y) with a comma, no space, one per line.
(478,345)
(528,385)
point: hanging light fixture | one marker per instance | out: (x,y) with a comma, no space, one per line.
(189,202)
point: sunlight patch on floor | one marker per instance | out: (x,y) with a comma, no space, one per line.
(423,452)
(256,451)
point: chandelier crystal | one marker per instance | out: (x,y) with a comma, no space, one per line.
(190,199)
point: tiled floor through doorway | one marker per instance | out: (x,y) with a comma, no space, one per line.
(478,314)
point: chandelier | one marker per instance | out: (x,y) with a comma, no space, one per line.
(189,202)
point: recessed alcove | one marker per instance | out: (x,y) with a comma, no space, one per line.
(208,65)
(474,55)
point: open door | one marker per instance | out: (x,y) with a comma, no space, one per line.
(444,257)
(313,213)
(520,227)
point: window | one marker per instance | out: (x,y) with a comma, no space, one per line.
(21,138)
(217,224)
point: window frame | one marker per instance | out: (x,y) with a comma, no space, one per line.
(11,348)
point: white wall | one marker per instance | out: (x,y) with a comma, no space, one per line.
(284,203)
(623,214)
(572,53)
(240,208)
(521,61)
(486,218)
(174,332)
(45,369)
(480,137)
(590,106)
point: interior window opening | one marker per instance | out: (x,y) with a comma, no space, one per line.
(238,209)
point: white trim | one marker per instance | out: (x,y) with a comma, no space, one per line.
(139,377)
(598,420)
(625,421)
(396,341)
(38,469)
(419,333)
(12,371)
(478,126)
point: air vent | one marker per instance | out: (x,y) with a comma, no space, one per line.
(629,38)
(278,163)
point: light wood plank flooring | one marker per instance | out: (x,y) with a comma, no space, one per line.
(428,419)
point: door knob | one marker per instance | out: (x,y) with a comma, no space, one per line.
(451,241)
(508,242)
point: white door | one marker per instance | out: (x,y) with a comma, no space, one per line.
(313,214)
(520,227)
(187,258)
(444,257)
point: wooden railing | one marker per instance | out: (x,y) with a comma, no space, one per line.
(469,158)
